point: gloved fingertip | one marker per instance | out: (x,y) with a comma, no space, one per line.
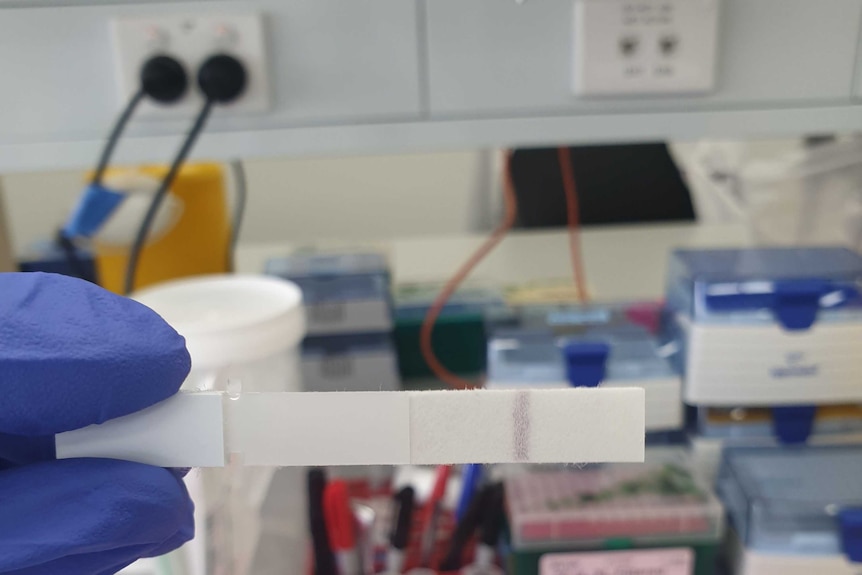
(183,535)
(185,528)
(74,354)
(115,510)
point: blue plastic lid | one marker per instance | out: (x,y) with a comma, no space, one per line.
(337,277)
(791,499)
(792,286)
(765,264)
(538,356)
(347,343)
(321,289)
(327,264)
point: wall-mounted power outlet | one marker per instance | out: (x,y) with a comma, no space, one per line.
(645,46)
(191,39)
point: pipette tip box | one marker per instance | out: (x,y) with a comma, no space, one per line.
(589,349)
(661,504)
(793,511)
(342,292)
(766,326)
(350,362)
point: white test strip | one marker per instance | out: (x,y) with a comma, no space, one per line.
(352,428)
(576,425)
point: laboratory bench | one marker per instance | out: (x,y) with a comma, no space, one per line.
(622,263)
(678,517)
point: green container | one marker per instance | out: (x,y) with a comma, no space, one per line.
(459,342)
(459,338)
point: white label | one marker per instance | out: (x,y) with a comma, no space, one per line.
(639,562)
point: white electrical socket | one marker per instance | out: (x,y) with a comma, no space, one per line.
(191,39)
(644,46)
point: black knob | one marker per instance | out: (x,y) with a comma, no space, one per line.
(222,78)
(164,79)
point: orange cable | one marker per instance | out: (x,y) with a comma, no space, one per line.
(425,343)
(573,218)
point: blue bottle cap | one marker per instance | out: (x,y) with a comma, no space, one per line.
(585,362)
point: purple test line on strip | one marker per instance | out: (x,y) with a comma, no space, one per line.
(521,426)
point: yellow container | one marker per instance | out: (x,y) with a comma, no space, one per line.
(196,243)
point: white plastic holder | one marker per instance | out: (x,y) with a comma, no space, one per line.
(576,425)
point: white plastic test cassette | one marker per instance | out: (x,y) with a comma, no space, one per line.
(373,428)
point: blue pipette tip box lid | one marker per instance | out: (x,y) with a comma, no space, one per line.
(793,286)
(795,500)
(327,264)
(627,353)
(348,343)
(332,277)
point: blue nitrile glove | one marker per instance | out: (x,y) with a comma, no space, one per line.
(73,354)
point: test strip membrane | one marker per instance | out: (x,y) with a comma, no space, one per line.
(576,425)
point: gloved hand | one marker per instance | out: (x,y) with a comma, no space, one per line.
(73,354)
